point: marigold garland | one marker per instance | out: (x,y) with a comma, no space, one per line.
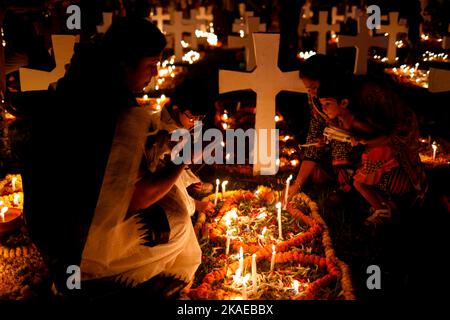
(287,250)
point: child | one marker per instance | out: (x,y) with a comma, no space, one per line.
(318,156)
(390,168)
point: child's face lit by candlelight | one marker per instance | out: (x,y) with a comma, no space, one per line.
(332,108)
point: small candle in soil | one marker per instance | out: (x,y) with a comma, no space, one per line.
(434,146)
(286,193)
(272,261)
(280,231)
(254,273)
(224,187)
(217,192)
(241,259)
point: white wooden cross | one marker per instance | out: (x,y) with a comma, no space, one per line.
(107,21)
(177,28)
(362,41)
(247,43)
(204,18)
(446,41)
(267,80)
(159,17)
(392,29)
(335,18)
(322,28)
(40,80)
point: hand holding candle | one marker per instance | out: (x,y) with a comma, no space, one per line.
(286,193)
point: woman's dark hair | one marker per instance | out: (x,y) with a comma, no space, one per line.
(128,40)
(195,95)
(320,67)
(340,88)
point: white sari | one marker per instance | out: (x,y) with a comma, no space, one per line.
(114,247)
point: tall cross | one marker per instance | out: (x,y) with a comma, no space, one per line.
(107,21)
(204,18)
(177,28)
(40,80)
(392,29)
(267,80)
(362,41)
(322,28)
(247,43)
(159,17)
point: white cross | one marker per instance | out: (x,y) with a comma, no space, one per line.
(335,18)
(247,43)
(322,28)
(362,41)
(446,41)
(40,80)
(107,21)
(392,29)
(203,18)
(267,80)
(159,17)
(177,28)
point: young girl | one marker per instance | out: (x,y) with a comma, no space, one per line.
(390,172)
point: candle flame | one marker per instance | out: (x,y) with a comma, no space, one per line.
(217,181)
(274,251)
(289,178)
(278,205)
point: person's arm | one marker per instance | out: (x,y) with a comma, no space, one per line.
(152,187)
(306,169)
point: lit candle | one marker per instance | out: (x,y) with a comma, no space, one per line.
(16,199)
(286,193)
(227,250)
(217,192)
(224,185)
(254,273)
(237,276)
(262,235)
(13,183)
(2,213)
(244,286)
(241,259)
(272,261)
(434,146)
(295,285)
(280,232)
